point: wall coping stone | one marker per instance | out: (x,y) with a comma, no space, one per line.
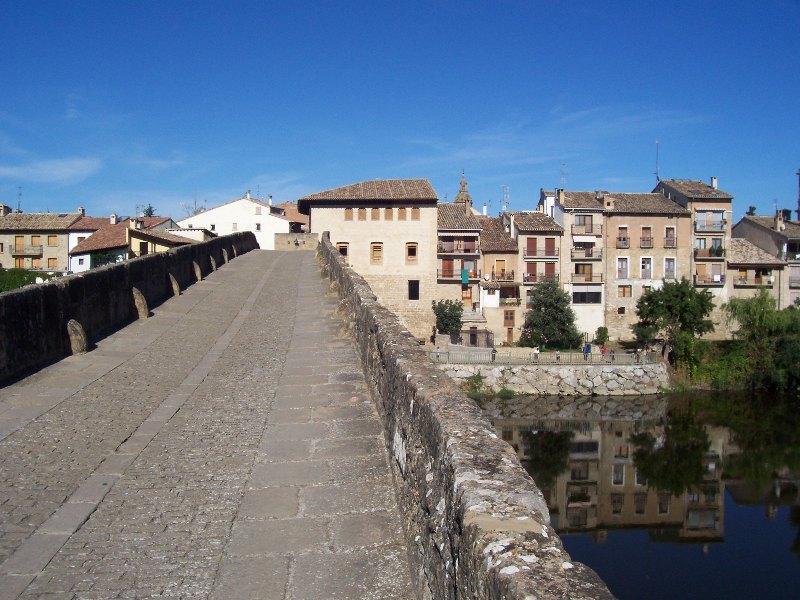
(477,525)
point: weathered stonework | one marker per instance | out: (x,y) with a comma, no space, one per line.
(573,380)
(33,320)
(476,524)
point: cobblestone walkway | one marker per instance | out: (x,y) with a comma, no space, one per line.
(224,448)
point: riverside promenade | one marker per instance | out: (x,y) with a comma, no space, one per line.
(224,448)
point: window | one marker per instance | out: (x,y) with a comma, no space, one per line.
(401,214)
(344,250)
(258,226)
(36,240)
(1,246)
(508,318)
(639,478)
(646,238)
(663,503)
(80,239)
(579,471)
(669,238)
(362,214)
(80,261)
(508,435)
(388,214)
(586,297)
(622,268)
(622,237)
(415,214)
(348,214)
(36,263)
(376,252)
(52,240)
(375,214)
(411,252)
(234,227)
(645,289)
(624,291)
(258,210)
(617,502)
(413,289)
(19,263)
(621,310)
(669,268)
(639,503)
(618,474)
(621,451)
(647,268)
(52,263)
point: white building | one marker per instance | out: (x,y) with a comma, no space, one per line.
(242,214)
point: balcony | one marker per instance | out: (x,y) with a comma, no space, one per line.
(587,254)
(622,273)
(717,253)
(546,253)
(458,248)
(538,278)
(455,275)
(710,227)
(669,275)
(753,282)
(646,274)
(587,230)
(26,250)
(623,242)
(587,278)
(709,280)
(646,242)
(502,276)
(670,242)
(510,302)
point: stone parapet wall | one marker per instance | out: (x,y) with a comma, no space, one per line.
(34,319)
(476,524)
(573,380)
(295,241)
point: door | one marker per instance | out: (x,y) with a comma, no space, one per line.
(500,268)
(701,272)
(530,271)
(143,248)
(447,267)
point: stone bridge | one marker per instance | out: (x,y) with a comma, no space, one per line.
(259,437)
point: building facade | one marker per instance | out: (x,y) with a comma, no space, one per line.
(37,241)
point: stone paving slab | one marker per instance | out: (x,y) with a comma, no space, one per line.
(224,448)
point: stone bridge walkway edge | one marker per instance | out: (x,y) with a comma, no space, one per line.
(226,447)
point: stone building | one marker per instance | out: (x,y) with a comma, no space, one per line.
(647,242)
(36,240)
(780,239)
(387,230)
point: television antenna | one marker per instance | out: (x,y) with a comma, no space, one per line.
(656,171)
(506,199)
(563,173)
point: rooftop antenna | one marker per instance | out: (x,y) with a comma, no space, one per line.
(563,173)
(656,173)
(506,199)
(258,191)
(798,194)
(19,199)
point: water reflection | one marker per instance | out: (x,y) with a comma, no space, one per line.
(663,466)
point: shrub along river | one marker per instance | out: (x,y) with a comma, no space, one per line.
(691,496)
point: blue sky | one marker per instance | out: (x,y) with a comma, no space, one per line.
(114,105)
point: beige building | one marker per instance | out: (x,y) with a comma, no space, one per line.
(710,210)
(501,300)
(36,240)
(647,242)
(386,229)
(780,239)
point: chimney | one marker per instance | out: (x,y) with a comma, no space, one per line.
(778,221)
(114,220)
(247,195)
(560,196)
(82,211)
(714,182)
(4,210)
(270,199)
(485,209)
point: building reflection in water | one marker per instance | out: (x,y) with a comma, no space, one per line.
(598,486)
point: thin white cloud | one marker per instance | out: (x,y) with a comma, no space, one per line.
(59,170)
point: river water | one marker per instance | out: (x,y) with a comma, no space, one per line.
(668,497)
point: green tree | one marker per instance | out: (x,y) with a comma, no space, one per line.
(448,315)
(11,279)
(549,455)
(149,211)
(550,320)
(770,339)
(678,313)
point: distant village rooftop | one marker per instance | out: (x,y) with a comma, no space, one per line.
(409,190)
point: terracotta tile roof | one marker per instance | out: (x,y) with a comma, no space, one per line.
(494,237)
(634,203)
(90,224)
(292,213)
(165,236)
(791,228)
(694,189)
(535,222)
(584,200)
(38,221)
(375,190)
(743,252)
(453,216)
(113,237)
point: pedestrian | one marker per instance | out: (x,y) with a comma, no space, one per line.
(558,356)
(536,354)
(613,358)
(438,354)
(586,351)
(603,351)
(494,354)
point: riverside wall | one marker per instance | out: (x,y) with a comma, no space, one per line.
(573,380)
(45,322)
(476,524)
